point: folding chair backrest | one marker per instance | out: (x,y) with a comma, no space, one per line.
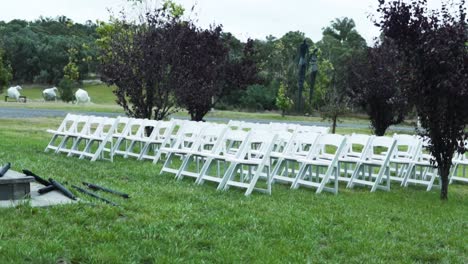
(260,144)
(136,127)
(235,124)
(407,146)
(381,148)
(356,146)
(301,144)
(122,126)
(165,129)
(68,123)
(233,142)
(279,127)
(210,137)
(316,129)
(94,126)
(256,126)
(188,135)
(108,126)
(328,146)
(282,141)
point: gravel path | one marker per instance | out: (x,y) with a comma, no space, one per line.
(6,112)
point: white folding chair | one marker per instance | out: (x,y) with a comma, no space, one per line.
(232,145)
(460,161)
(323,159)
(188,140)
(192,154)
(245,170)
(287,164)
(98,134)
(424,170)
(139,141)
(376,158)
(132,132)
(79,128)
(68,127)
(353,154)
(160,136)
(404,157)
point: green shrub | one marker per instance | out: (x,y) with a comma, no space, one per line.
(66,89)
(258,97)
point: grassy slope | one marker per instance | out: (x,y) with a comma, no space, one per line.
(170,221)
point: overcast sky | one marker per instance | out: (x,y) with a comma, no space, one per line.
(243,18)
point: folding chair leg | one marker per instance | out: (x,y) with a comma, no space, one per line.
(299,176)
(354,175)
(254,180)
(227,175)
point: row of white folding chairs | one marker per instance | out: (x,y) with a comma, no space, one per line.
(364,160)
(83,136)
(276,126)
(348,161)
(92,136)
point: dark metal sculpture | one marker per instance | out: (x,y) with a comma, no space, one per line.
(46,189)
(97,187)
(303,55)
(313,73)
(62,189)
(4,169)
(36,177)
(94,195)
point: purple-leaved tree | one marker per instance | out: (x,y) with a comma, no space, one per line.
(435,72)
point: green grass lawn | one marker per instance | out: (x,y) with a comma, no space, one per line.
(177,221)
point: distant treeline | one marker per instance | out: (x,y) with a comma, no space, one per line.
(38,51)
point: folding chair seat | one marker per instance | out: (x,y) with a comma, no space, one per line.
(460,161)
(287,164)
(98,134)
(231,145)
(69,127)
(193,153)
(131,134)
(424,172)
(377,162)
(79,128)
(351,157)
(324,160)
(159,137)
(404,157)
(245,169)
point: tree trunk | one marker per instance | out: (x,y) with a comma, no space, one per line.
(444,178)
(197,116)
(282,113)
(334,124)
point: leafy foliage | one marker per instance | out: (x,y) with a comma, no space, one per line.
(374,86)
(282,100)
(136,58)
(435,74)
(5,72)
(38,50)
(198,67)
(340,43)
(66,86)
